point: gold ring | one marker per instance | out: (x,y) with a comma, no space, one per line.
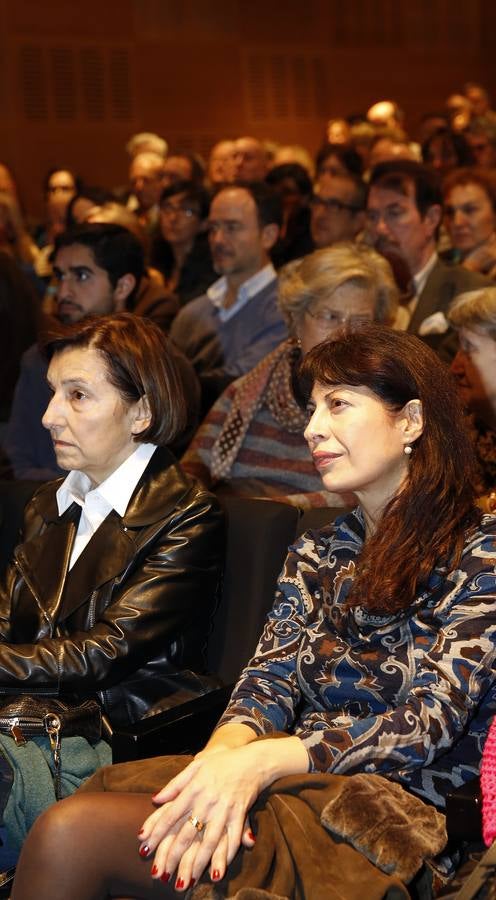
(196,823)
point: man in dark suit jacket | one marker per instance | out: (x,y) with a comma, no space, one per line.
(404,212)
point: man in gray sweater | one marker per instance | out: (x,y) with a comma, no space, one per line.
(228,330)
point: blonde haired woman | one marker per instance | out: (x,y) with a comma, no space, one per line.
(251,442)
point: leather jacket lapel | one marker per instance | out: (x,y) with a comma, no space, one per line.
(109,552)
(44,560)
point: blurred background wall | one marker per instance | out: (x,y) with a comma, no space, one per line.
(77,79)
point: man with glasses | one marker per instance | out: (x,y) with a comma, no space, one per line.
(404,211)
(337,209)
(226,331)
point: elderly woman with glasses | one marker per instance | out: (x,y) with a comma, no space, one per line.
(251,442)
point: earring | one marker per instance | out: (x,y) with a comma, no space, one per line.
(407,449)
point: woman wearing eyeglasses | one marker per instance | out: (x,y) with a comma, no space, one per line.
(181,251)
(251,442)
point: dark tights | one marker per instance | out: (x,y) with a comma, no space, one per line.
(85,848)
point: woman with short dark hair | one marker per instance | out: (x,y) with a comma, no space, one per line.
(377,659)
(112,588)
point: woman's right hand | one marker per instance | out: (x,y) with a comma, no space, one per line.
(218,788)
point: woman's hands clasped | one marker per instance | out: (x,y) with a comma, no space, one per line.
(203,816)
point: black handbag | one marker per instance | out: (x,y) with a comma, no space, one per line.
(25,716)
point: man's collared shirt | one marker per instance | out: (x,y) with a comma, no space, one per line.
(252,286)
(96,503)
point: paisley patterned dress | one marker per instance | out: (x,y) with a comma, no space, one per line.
(407,696)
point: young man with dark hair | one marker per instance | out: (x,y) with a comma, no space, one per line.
(98,269)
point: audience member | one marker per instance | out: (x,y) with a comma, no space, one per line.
(404,212)
(446,150)
(250,160)
(59,187)
(98,269)
(474,316)
(112,588)
(376,663)
(338,131)
(221,166)
(480,104)
(482,142)
(251,441)
(146,178)
(470,218)
(337,209)
(292,182)
(228,330)
(181,252)
(184,167)
(338,159)
(153,299)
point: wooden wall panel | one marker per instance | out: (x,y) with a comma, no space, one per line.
(76,81)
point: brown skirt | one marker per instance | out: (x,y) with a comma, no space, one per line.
(319,837)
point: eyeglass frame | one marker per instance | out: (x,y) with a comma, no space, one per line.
(326,316)
(187,211)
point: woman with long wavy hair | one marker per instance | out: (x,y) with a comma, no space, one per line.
(377,659)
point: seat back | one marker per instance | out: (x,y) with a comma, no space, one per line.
(258,535)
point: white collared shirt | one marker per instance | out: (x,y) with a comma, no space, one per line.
(96,503)
(217,291)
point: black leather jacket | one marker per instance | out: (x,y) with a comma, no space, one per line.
(129,622)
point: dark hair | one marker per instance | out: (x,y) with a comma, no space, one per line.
(114,249)
(46,180)
(195,193)
(452,142)
(197,163)
(266,199)
(424,525)
(290,170)
(396,175)
(484,178)
(139,361)
(97,195)
(345,153)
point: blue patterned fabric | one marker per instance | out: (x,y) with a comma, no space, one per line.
(408,695)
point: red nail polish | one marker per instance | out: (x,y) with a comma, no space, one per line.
(144,851)
(251,836)
(192,882)
(165,877)
(179,884)
(216,875)
(154,870)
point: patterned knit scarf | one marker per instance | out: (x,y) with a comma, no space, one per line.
(269,384)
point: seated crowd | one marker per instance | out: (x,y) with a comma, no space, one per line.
(301,316)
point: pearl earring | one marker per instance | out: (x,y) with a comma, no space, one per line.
(407,449)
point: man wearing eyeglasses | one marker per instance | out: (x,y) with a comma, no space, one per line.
(404,212)
(337,210)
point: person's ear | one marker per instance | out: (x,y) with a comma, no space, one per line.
(270,233)
(142,416)
(433,218)
(411,421)
(122,290)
